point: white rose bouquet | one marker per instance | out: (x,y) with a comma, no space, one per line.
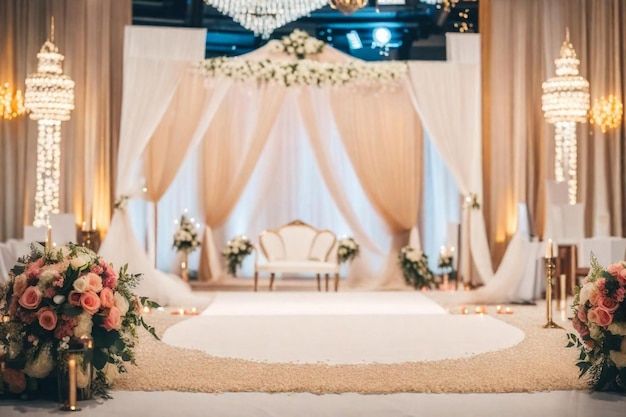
(186,237)
(235,252)
(298,43)
(347,250)
(415,269)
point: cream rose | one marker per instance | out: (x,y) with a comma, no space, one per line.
(41,365)
(81,284)
(80,261)
(90,302)
(84,324)
(110,372)
(95,282)
(121,302)
(618,328)
(619,358)
(113,320)
(585,292)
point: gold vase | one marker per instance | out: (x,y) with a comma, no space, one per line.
(76,373)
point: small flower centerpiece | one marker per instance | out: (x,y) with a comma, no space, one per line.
(415,269)
(54,297)
(446,264)
(186,237)
(347,250)
(600,321)
(298,43)
(235,252)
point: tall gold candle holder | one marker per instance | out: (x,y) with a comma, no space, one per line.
(184,266)
(70,404)
(550,268)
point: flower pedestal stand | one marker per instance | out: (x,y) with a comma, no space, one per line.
(184,266)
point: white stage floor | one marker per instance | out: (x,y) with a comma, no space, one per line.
(338,328)
(170,404)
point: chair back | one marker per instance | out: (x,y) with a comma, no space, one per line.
(63,228)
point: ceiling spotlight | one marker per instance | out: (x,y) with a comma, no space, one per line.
(381,35)
(354,40)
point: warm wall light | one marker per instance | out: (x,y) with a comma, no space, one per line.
(11,102)
(49,97)
(606,113)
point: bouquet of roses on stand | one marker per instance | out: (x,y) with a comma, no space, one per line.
(600,320)
(186,237)
(55,298)
(347,250)
(235,252)
(415,269)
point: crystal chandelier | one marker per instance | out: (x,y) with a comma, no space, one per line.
(11,102)
(565,102)
(49,97)
(606,113)
(347,6)
(264,16)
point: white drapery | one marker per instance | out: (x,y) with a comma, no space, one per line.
(155,59)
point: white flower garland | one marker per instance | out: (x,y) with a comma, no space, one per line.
(298,44)
(305,72)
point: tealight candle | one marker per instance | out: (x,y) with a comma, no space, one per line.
(181,311)
(464,310)
(499,309)
(194,310)
(147,310)
(508,310)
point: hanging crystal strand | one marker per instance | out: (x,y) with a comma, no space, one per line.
(559,174)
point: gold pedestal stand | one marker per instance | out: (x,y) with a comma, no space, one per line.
(550,268)
(184,267)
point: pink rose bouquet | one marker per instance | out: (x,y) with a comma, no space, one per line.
(58,295)
(600,320)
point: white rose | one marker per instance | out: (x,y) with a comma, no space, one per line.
(110,372)
(619,358)
(80,261)
(585,292)
(618,328)
(342,251)
(121,303)
(81,284)
(595,331)
(41,365)
(84,324)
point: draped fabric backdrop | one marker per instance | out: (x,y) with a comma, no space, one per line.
(525,40)
(90,35)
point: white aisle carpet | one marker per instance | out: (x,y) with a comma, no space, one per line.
(338,328)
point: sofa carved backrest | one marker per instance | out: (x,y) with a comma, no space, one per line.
(297,242)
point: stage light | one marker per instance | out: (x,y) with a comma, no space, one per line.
(354,40)
(381,35)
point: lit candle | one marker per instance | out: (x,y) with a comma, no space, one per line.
(478,310)
(508,310)
(93,224)
(563,295)
(194,310)
(147,310)
(464,310)
(49,238)
(181,311)
(84,228)
(549,253)
(499,309)
(71,365)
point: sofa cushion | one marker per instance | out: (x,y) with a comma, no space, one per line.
(298,266)
(297,240)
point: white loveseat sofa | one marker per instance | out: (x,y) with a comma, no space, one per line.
(297,248)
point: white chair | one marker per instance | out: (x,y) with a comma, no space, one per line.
(297,248)
(6,261)
(63,228)
(607,250)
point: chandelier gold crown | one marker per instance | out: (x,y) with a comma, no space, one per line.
(347,6)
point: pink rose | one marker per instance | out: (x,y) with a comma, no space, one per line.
(90,302)
(604,317)
(615,269)
(31,298)
(582,314)
(20,285)
(95,282)
(608,304)
(96,269)
(592,315)
(74,298)
(580,327)
(594,297)
(622,276)
(47,318)
(113,320)
(620,293)
(50,292)
(106,298)
(33,269)
(601,286)
(15,379)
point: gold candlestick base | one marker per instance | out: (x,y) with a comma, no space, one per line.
(550,267)
(551,325)
(68,407)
